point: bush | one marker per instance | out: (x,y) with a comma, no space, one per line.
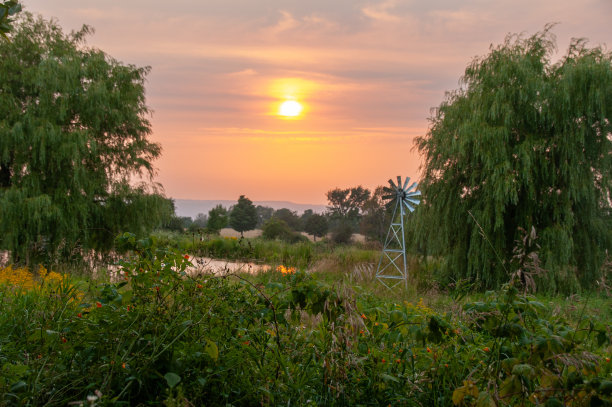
(342,233)
(278,229)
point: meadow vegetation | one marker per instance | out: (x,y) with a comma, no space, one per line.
(157,334)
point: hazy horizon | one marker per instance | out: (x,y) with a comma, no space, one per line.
(193,207)
(365,72)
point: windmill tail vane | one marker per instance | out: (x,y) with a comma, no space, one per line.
(392,267)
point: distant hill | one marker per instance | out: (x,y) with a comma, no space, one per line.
(191,207)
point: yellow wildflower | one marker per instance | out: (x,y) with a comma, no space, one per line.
(285,270)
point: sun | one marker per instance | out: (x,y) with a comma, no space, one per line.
(290,108)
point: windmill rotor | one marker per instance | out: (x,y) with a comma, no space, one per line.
(403,193)
(403,197)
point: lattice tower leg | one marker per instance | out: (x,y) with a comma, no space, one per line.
(392,266)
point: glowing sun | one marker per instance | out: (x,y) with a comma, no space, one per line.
(290,108)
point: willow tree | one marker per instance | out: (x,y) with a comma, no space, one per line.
(73,132)
(8,8)
(524,142)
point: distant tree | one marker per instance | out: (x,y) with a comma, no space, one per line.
(523,143)
(289,217)
(263,214)
(8,8)
(275,228)
(346,204)
(243,216)
(73,133)
(316,225)
(374,219)
(201,220)
(217,219)
(307,213)
(174,224)
(199,224)
(186,221)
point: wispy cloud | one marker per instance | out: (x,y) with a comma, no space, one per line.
(381,11)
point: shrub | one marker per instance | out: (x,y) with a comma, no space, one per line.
(275,228)
(342,233)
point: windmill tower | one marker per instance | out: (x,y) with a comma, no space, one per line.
(392,268)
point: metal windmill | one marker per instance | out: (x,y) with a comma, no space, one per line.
(392,267)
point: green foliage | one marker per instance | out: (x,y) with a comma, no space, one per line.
(342,233)
(292,252)
(316,225)
(276,229)
(175,224)
(200,221)
(8,8)
(263,214)
(375,219)
(523,143)
(156,334)
(217,219)
(346,205)
(289,217)
(243,216)
(73,131)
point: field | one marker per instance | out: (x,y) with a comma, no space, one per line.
(317,329)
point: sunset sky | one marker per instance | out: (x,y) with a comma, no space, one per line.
(366,74)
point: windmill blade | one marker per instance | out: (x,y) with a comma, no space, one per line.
(413,201)
(414,193)
(392,184)
(414,184)
(389,196)
(410,208)
(406,183)
(399,181)
(390,204)
(389,190)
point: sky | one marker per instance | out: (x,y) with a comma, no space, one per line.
(366,72)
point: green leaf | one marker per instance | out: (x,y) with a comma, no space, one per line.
(19,386)
(212,350)
(523,370)
(485,400)
(172,379)
(389,378)
(510,387)
(397,316)
(460,393)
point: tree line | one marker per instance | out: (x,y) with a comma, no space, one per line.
(349,211)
